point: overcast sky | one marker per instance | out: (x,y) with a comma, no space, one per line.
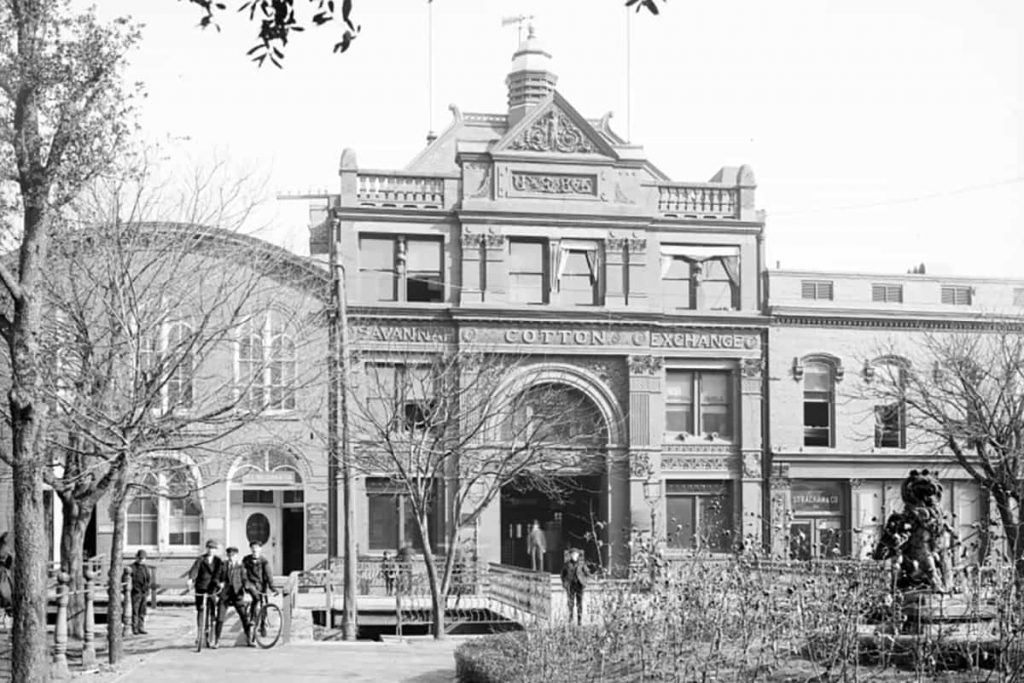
(883,134)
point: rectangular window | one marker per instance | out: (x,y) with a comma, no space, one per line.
(527,272)
(578,277)
(697,276)
(677,281)
(399,395)
(890,294)
(423,270)
(711,415)
(818,405)
(185,522)
(402,268)
(698,516)
(293,497)
(377,270)
(956,296)
(889,426)
(816,289)
(390,517)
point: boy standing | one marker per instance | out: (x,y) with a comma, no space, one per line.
(574,579)
(206,578)
(236,585)
(142,584)
(389,569)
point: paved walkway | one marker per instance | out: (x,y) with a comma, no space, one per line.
(361,662)
(167,653)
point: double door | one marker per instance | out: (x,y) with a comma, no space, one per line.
(815,538)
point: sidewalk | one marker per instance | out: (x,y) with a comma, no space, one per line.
(167,653)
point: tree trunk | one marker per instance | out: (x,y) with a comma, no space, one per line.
(72,541)
(29,657)
(115,592)
(437,597)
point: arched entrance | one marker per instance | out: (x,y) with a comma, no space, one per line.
(266,500)
(568,496)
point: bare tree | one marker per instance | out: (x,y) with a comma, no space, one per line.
(449,428)
(145,321)
(963,397)
(63,116)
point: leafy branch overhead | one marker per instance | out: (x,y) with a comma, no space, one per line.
(277,21)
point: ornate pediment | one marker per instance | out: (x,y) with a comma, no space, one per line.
(554,127)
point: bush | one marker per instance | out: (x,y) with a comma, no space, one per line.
(490,659)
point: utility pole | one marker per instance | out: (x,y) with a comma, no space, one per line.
(339,442)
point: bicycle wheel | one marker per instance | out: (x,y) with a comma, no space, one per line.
(268,628)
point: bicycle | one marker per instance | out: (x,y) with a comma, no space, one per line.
(265,621)
(208,620)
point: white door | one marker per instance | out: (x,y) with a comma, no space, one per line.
(263,523)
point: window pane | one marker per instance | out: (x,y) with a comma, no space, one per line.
(679,401)
(679,386)
(817,423)
(714,526)
(681,518)
(423,255)
(379,286)
(526,257)
(526,288)
(424,287)
(383,521)
(679,418)
(716,400)
(889,426)
(376,253)
(817,377)
(717,294)
(578,280)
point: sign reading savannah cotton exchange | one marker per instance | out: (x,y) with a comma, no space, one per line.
(697,339)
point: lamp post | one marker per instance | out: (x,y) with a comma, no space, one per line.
(652,494)
(339,445)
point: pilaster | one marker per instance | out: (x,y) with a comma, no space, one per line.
(780,510)
(473,263)
(616,277)
(636,271)
(645,374)
(495,267)
(751,504)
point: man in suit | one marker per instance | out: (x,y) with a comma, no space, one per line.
(206,577)
(575,577)
(142,584)
(236,585)
(259,576)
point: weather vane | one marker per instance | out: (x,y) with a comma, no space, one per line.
(519,21)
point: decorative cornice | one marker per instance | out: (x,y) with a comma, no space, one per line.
(695,462)
(901,323)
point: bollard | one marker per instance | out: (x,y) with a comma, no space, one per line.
(60,630)
(88,639)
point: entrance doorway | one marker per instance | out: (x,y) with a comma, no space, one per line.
(275,519)
(570,517)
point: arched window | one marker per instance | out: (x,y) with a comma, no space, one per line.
(819,403)
(167,363)
(267,364)
(165,512)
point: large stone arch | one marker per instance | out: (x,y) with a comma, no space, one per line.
(581,379)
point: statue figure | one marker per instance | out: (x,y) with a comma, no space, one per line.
(919,538)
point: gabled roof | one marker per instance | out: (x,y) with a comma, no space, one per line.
(439,155)
(555,127)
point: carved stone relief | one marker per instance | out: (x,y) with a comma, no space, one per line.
(645,365)
(753,368)
(553,132)
(555,183)
(752,465)
(640,466)
(690,462)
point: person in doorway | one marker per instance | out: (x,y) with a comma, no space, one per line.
(536,546)
(206,578)
(142,584)
(236,585)
(574,580)
(389,570)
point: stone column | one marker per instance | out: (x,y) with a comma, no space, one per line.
(751,505)
(645,430)
(496,267)
(60,629)
(473,282)
(637,277)
(616,278)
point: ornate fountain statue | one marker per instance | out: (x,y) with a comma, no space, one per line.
(919,537)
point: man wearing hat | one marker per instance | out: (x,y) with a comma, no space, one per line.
(206,577)
(142,584)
